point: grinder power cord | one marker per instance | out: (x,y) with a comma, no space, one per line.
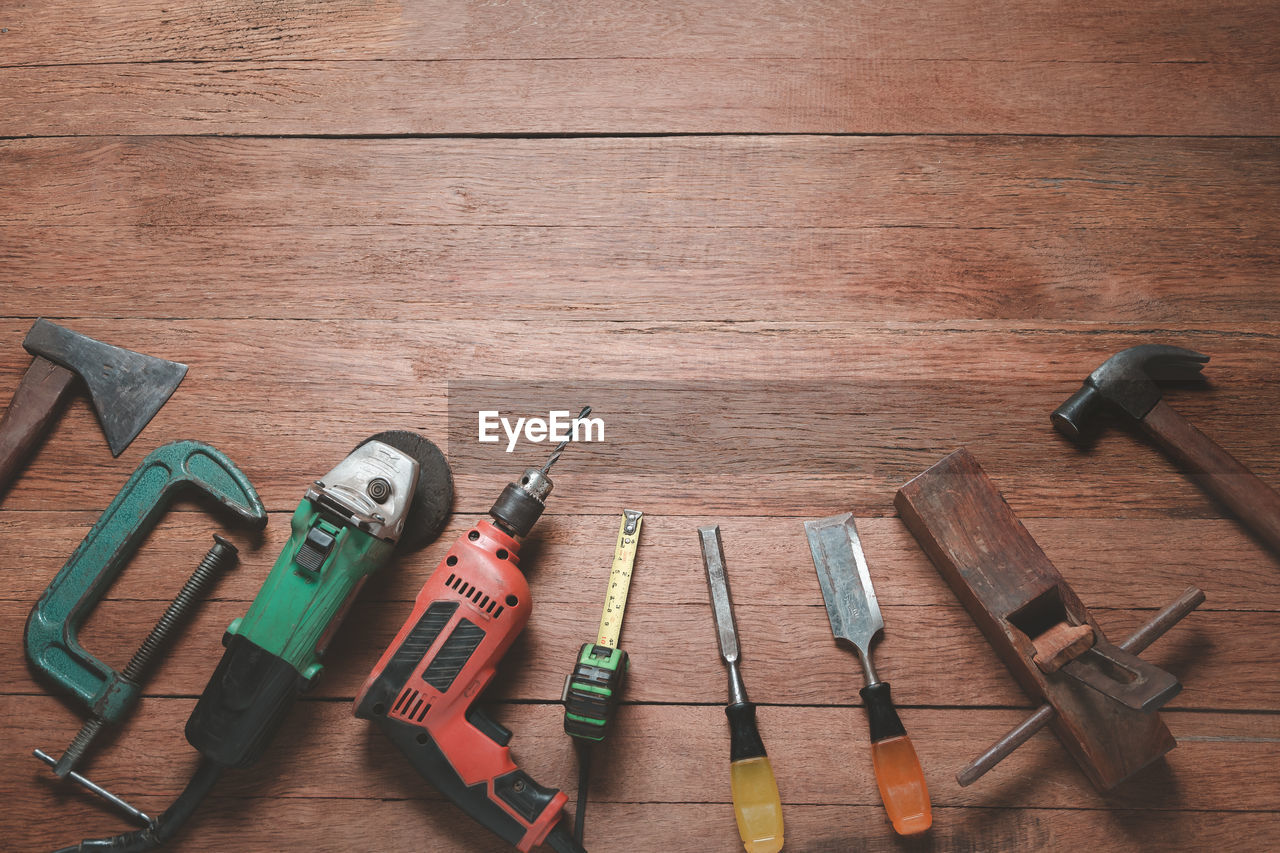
(393,491)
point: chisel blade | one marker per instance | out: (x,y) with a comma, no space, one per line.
(718,584)
(845,580)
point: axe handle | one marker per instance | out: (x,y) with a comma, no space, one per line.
(1220,473)
(33,406)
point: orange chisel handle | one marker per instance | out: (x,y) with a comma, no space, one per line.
(898,773)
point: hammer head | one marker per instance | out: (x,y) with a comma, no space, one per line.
(127,388)
(1127,381)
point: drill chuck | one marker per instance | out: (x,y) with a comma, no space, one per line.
(521,504)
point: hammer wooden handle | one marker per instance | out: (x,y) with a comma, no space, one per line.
(1220,473)
(33,405)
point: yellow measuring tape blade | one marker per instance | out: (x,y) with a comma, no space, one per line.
(624,558)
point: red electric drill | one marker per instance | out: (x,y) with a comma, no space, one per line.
(423,691)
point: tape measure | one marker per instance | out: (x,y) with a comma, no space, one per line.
(591,691)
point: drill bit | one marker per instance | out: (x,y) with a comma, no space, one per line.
(555,454)
(522,502)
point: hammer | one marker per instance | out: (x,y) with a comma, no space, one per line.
(1127,382)
(127,389)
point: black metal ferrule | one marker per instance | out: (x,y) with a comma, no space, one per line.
(744,737)
(516,511)
(881,715)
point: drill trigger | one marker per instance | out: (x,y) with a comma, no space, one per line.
(488,726)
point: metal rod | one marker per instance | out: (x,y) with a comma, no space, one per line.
(1163,621)
(97,789)
(75,751)
(1021,733)
(222,555)
(867,668)
(737,689)
(1000,750)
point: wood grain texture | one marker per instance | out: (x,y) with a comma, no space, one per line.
(569,556)
(726,182)
(229,823)
(1034,272)
(932,655)
(625,96)
(65,31)
(327,753)
(838,456)
(781,316)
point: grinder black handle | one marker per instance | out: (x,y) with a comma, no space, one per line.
(243,704)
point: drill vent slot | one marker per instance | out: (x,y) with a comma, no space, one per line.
(411,705)
(481,600)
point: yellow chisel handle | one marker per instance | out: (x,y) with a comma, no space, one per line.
(898,772)
(755,792)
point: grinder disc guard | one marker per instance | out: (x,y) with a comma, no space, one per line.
(433,497)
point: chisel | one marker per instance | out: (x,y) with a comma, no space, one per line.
(855,617)
(755,792)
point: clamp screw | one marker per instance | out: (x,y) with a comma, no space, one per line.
(221,556)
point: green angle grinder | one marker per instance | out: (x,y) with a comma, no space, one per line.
(393,493)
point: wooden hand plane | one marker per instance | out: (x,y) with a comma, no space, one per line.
(1100,698)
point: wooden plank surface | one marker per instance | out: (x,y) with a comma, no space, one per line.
(1040,271)
(65,31)
(795,253)
(1164,552)
(925,642)
(617,96)
(723,181)
(405,827)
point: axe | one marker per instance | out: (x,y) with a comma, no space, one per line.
(127,389)
(1126,383)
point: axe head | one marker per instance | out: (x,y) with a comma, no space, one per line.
(127,388)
